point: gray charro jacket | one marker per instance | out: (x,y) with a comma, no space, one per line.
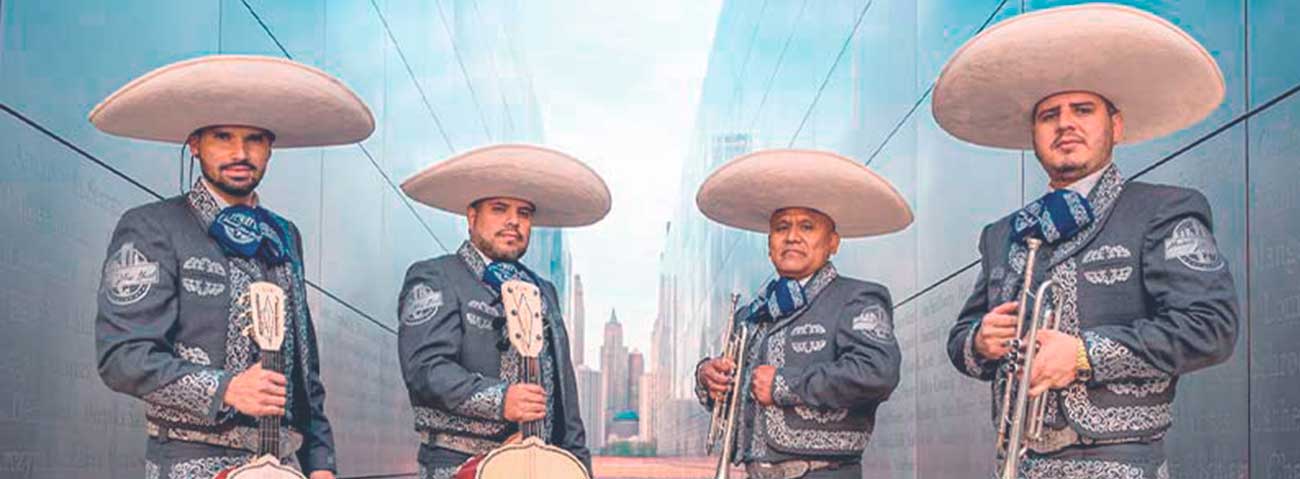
(1146,289)
(169,330)
(836,360)
(456,377)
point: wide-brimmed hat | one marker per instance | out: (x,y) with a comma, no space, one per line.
(1160,77)
(746,191)
(302,106)
(564,191)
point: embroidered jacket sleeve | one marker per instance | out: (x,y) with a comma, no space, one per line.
(428,344)
(1193,300)
(573,437)
(317,452)
(137,307)
(961,338)
(866,366)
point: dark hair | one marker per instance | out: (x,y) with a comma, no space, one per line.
(199,132)
(1111,109)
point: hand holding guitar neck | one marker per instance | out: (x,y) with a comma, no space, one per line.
(261,389)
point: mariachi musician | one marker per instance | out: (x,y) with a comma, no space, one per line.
(462,375)
(171,323)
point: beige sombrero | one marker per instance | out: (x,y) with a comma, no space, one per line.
(301,105)
(1160,77)
(746,191)
(564,191)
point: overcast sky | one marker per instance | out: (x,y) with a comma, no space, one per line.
(618,84)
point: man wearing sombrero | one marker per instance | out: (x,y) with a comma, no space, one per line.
(1145,294)
(461,373)
(822,355)
(171,329)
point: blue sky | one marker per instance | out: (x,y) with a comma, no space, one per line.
(618,84)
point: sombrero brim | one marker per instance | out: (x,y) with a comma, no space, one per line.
(1159,77)
(302,106)
(746,191)
(564,191)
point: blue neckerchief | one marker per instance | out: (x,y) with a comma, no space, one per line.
(249,232)
(1055,217)
(499,272)
(780,299)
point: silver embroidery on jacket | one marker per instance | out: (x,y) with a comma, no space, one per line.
(128,276)
(808,347)
(204,265)
(484,403)
(193,354)
(810,329)
(187,399)
(1106,252)
(785,435)
(1192,244)
(420,305)
(873,322)
(430,419)
(437,472)
(1041,468)
(205,467)
(1112,360)
(1108,276)
(781,393)
(202,287)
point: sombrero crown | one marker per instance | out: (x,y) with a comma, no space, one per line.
(746,191)
(302,106)
(564,191)
(1160,77)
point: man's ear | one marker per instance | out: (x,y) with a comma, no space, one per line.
(835,243)
(471,214)
(1117,127)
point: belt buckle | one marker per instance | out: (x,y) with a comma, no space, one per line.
(791,469)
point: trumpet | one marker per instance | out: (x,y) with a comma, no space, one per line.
(1021,420)
(722,424)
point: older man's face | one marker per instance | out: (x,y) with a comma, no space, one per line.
(500,227)
(800,241)
(233,158)
(1074,134)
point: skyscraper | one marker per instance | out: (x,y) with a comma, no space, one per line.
(635,368)
(589,403)
(613,365)
(577,330)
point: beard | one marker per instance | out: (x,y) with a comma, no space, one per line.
(230,188)
(490,250)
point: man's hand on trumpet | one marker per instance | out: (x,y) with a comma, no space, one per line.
(1055,363)
(716,374)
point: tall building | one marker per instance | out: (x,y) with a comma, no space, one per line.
(577,328)
(613,364)
(635,368)
(646,407)
(590,406)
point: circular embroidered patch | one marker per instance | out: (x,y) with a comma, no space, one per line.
(128,276)
(421,304)
(1192,244)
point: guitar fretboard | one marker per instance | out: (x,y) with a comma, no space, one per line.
(268,427)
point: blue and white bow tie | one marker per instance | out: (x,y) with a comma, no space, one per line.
(1056,217)
(249,232)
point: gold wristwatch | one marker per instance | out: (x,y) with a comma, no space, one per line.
(1082,367)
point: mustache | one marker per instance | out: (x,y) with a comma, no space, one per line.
(1068,137)
(244,163)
